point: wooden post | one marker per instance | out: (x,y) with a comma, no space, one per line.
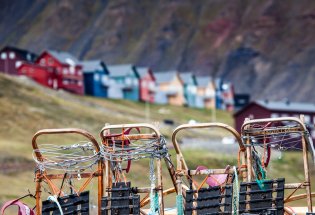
(38,194)
(244,169)
(306,171)
(248,155)
(100,186)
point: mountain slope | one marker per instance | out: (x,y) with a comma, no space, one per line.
(206,36)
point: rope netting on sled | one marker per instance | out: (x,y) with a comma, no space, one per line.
(286,135)
(130,150)
(274,136)
(70,158)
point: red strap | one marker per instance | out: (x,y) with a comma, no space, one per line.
(23,208)
(126,142)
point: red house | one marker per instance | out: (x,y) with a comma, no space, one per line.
(67,70)
(273,109)
(11,58)
(45,76)
(146,84)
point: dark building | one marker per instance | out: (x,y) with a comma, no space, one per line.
(240,101)
(11,58)
(273,109)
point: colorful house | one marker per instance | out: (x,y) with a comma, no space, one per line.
(68,70)
(124,82)
(224,95)
(147,84)
(205,92)
(45,76)
(190,88)
(96,78)
(170,89)
(11,58)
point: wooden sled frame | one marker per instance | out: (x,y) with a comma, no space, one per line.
(154,135)
(182,168)
(305,144)
(40,176)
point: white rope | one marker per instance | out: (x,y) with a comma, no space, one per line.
(136,150)
(70,158)
(55,200)
(235,193)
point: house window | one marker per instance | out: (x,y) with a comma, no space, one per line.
(193,89)
(128,81)
(104,79)
(50,61)
(12,55)
(72,70)
(135,82)
(96,77)
(49,81)
(274,115)
(17,64)
(307,118)
(55,84)
(144,84)
(151,85)
(43,61)
(79,73)
(29,57)
(65,71)
(65,82)
(3,55)
(296,115)
(80,83)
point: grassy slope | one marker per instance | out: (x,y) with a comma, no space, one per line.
(25,108)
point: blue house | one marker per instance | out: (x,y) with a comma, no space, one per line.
(124,82)
(96,78)
(190,88)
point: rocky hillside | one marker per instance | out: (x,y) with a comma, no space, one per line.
(266,47)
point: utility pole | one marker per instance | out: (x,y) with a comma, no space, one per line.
(147,109)
(213,114)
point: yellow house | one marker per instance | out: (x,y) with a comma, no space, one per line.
(170,89)
(205,92)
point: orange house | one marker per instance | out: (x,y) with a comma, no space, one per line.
(205,92)
(170,88)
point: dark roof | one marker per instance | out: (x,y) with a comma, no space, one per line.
(164,77)
(287,106)
(203,81)
(281,106)
(93,65)
(188,78)
(64,57)
(121,70)
(23,53)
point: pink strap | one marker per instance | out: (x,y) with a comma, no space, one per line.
(214,180)
(23,208)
